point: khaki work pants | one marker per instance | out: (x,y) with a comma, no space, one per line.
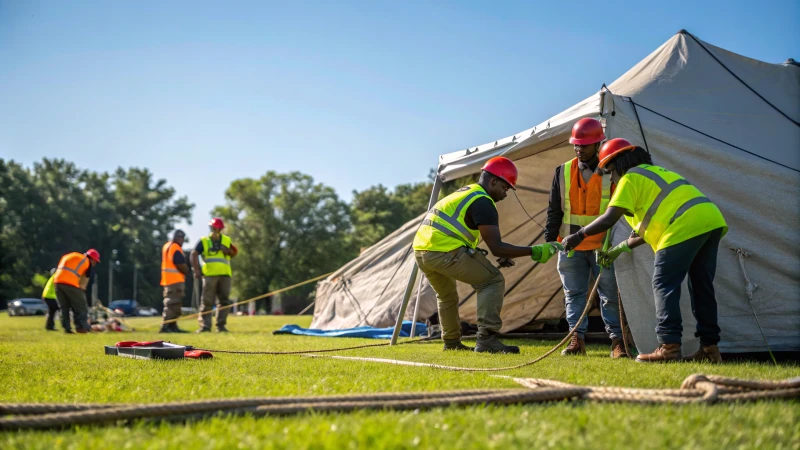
(73,299)
(218,288)
(444,269)
(173,300)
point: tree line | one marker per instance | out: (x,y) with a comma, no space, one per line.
(287,226)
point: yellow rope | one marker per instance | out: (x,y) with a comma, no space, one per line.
(268,294)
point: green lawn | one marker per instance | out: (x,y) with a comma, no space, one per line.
(38,366)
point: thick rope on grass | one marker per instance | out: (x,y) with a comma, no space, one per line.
(702,389)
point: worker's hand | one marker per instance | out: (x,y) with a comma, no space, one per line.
(573,240)
(225,250)
(605,259)
(505,262)
(543,252)
(198,274)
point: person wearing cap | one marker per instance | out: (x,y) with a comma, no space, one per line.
(445,248)
(217,251)
(684,229)
(173,279)
(71,279)
(49,297)
(580,194)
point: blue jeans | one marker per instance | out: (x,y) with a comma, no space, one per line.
(696,257)
(574,274)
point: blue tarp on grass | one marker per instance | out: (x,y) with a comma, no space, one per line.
(358,332)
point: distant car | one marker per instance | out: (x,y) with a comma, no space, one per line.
(147,311)
(126,307)
(27,307)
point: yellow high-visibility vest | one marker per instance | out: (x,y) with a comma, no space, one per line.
(444,228)
(216,263)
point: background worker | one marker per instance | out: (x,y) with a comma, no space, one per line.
(684,229)
(445,248)
(49,297)
(71,279)
(217,251)
(173,278)
(579,195)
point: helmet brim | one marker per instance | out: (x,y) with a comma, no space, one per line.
(605,161)
(585,141)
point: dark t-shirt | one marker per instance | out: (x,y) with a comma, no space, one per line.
(178,258)
(481,212)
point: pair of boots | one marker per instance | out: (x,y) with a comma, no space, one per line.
(171,328)
(577,346)
(672,352)
(220,329)
(487,343)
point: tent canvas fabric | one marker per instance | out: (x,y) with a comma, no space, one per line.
(727,123)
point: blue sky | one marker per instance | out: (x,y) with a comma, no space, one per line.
(353,93)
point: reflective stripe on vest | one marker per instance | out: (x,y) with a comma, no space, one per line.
(69,270)
(169,272)
(444,229)
(570,218)
(666,190)
(216,263)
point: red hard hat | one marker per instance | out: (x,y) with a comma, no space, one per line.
(217,223)
(612,148)
(587,131)
(93,254)
(503,168)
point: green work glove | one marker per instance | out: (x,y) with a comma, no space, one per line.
(605,259)
(543,252)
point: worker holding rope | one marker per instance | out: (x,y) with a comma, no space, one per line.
(684,229)
(173,279)
(217,251)
(580,194)
(445,248)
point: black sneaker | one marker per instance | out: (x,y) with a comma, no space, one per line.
(222,329)
(491,344)
(456,345)
(203,330)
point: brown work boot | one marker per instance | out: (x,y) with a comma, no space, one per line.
(664,353)
(618,349)
(576,346)
(706,353)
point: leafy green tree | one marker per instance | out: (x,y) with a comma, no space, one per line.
(287,229)
(377,212)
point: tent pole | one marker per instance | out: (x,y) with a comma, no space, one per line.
(416,310)
(437,186)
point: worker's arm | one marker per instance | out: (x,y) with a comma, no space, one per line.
(84,282)
(599,225)
(194,257)
(635,240)
(555,215)
(183,268)
(491,235)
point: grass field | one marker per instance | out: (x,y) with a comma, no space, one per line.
(40,366)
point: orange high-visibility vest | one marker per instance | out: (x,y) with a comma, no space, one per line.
(169,272)
(71,268)
(582,202)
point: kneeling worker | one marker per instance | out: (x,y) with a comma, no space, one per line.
(173,278)
(684,229)
(445,250)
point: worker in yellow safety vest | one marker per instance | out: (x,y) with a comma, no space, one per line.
(173,279)
(579,194)
(49,297)
(445,248)
(71,279)
(217,251)
(684,229)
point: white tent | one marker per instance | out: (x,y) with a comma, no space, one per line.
(728,123)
